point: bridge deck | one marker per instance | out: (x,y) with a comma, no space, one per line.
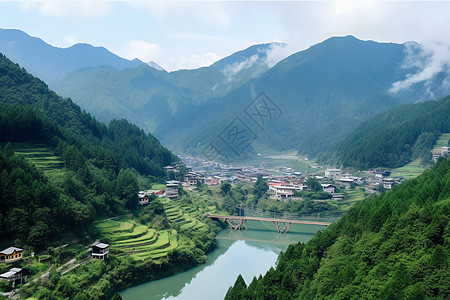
(268,220)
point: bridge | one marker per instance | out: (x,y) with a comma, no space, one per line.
(283,225)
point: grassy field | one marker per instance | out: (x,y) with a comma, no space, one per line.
(158,186)
(414,169)
(411,170)
(442,141)
(354,195)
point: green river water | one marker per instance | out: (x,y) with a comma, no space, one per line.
(247,252)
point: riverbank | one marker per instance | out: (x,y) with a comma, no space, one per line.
(250,253)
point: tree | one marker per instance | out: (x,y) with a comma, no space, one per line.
(260,188)
(235,292)
(116,297)
(225,188)
(127,188)
(313,184)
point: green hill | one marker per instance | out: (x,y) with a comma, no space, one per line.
(394,138)
(68,169)
(393,246)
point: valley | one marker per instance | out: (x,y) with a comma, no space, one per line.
(245,179)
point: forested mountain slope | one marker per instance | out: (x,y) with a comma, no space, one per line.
(393,246)
(321,93)
(93,165)
(394,138)
(155,99)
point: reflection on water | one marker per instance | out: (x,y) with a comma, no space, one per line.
(249,253)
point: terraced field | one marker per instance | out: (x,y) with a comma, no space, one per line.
(141,242)
(42,157)
(138,241)
(178,213)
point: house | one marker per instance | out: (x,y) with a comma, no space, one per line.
(333,173)
(171,191)
(388,183)
(329,188)
(192,179)
(11,254)
(12,275)
(211,181)
(347,182)
(284,191)
(143,198)
(171,169)
(440,152)
(382,174)
(100,251)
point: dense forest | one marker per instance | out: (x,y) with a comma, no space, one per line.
(394,138)
(100,163)
(392,246)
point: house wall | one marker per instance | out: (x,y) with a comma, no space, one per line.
(11,257)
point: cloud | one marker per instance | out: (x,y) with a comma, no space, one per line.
(267,57)
(143,50)
(426,62)
(61,9)
(196,61)
(70,40)
(233,69)
(277,52)
(179,35)
(210,14)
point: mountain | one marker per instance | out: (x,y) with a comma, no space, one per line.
(305,103)
(394,138)
(321,94)
(76,168)
(49,63)
(154,98)
(393,246)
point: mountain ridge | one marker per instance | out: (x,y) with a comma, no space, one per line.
(324,92)
(49,62)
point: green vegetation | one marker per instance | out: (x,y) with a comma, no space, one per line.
(392,246)
(411,170)
(76,168)
(138,253)
(395,138)
(443,141)
(61,171)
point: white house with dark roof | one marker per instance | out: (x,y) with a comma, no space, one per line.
(100,251)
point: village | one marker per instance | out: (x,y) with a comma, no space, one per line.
(284,182)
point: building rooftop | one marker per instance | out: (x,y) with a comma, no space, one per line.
(101,245)
(10,250)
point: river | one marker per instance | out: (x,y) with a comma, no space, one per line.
(247,252)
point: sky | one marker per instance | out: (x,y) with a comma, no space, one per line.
(191,34)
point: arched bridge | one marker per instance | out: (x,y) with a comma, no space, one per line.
(283,225)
